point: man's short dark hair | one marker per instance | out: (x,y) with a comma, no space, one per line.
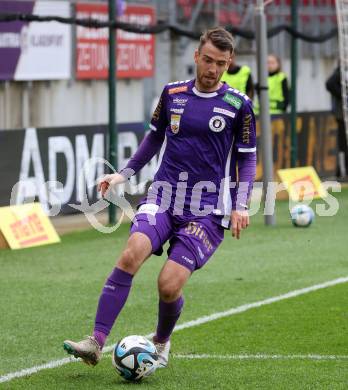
(219,37)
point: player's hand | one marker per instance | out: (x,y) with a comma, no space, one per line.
(239,221)
(109,181)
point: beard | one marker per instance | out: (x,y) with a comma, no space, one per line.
(206,81)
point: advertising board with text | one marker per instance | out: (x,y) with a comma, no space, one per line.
(26,225)
(35,51)
(135,53)
(35,161)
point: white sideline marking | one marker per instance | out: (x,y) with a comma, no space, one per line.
(202,320)
(35,369)
(263,357)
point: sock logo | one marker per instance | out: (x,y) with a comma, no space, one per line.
(109,287)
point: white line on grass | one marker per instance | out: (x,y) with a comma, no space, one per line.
(35,369)
(189,324)
(263,357)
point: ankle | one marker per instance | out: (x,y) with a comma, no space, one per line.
(100,338)
(160,340)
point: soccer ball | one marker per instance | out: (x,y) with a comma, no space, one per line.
(135,357)
(302,215)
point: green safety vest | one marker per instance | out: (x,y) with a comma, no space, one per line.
(275,93)
(238,80)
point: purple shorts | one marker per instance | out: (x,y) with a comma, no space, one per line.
(192,241)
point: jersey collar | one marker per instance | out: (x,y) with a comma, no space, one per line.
(209,94)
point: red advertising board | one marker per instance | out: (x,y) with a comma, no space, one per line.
(135,52)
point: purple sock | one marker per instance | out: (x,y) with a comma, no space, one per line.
(111,302)
(100,337)
(168,315)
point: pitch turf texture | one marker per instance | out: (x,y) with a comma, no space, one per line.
(50,293)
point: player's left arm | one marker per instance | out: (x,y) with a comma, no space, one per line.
(245,149)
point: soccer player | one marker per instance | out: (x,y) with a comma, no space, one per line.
(207,130)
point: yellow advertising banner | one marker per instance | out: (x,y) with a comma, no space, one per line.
(26,225)
(302,183)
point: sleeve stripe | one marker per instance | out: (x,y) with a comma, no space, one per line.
(152,127)
(247,150)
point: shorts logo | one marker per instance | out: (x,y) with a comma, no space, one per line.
(175,123)
(232,100)
(201,254)
(197,230)
(187,260)
(217,123)
(171,91)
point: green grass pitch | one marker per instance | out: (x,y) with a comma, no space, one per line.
(50,293)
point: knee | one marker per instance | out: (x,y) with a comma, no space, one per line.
(169,290)
(128,261)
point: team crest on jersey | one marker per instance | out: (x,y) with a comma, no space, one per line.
(217,123)
(175,123)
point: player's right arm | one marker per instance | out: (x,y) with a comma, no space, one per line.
(109,180)
(150,146)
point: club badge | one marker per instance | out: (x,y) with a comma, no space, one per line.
(175,123)
(217,123)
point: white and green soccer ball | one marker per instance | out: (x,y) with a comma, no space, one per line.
(302,215)
(135,358)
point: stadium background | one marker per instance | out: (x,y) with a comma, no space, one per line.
(69,90)
(268,312)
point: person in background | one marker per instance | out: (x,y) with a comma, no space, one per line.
(278,88)
(333,85)
(239,77)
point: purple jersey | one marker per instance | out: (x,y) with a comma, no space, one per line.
(207,139)
(205,135)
